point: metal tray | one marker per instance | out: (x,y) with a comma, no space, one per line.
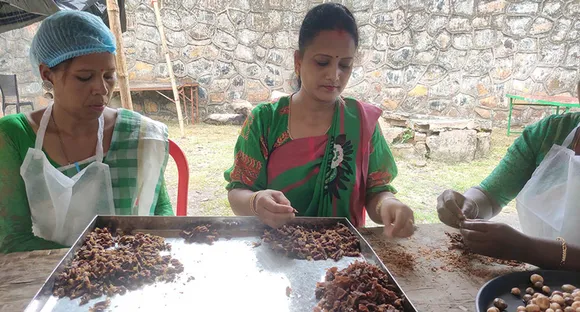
(230,275)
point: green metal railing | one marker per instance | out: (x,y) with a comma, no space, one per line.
(555,102)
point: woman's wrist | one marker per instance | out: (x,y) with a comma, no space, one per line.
(382,202)
(542,253)
(240,201)
(253,203)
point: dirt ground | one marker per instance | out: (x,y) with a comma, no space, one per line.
(209,150)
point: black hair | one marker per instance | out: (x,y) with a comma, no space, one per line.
(326,16)
(62,67)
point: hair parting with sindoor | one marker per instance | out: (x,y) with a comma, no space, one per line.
(326,16)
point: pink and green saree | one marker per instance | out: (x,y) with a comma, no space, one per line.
(327,176)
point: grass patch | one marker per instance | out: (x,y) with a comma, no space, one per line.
(420,187)
(210,150)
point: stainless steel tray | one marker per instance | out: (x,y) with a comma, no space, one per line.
(230,275)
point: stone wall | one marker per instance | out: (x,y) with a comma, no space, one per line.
(437,57)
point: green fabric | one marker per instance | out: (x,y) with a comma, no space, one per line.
(323,192)
(123,163)
(526,154)
(16,137)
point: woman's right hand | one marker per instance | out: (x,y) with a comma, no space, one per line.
(453,208)
(273,208)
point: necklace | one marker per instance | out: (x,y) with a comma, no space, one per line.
(60,139)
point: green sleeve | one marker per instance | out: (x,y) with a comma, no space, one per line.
(163,207)
(382,166)
(251,153)
(15,220)
(524,156)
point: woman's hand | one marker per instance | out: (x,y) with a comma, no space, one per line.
(496,240)
(397,217)
(273,208)
(453,208)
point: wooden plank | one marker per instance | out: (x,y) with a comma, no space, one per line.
(169,66)
(123,78)
(156,86)
(433,282)
(161,86)
(22,274)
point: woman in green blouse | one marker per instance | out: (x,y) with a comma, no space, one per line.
(541,170)
(315,153)
(62,165)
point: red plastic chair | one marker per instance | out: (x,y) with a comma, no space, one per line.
(183,177)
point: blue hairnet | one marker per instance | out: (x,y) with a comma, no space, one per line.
(68,34)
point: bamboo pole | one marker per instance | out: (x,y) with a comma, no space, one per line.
(123,78)
(176,96)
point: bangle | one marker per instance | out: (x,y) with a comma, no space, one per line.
(564,250)
(380,204)
(253,207)
(378,207)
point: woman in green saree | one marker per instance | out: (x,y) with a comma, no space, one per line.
(316,153)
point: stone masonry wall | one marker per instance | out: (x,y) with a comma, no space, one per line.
(437,57)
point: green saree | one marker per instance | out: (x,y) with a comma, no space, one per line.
(330,175)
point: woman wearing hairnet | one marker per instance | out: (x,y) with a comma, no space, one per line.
(63,164)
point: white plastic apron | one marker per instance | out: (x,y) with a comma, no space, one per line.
(549,204)
(62,207)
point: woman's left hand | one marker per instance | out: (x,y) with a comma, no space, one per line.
(495,239)
(397,217)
